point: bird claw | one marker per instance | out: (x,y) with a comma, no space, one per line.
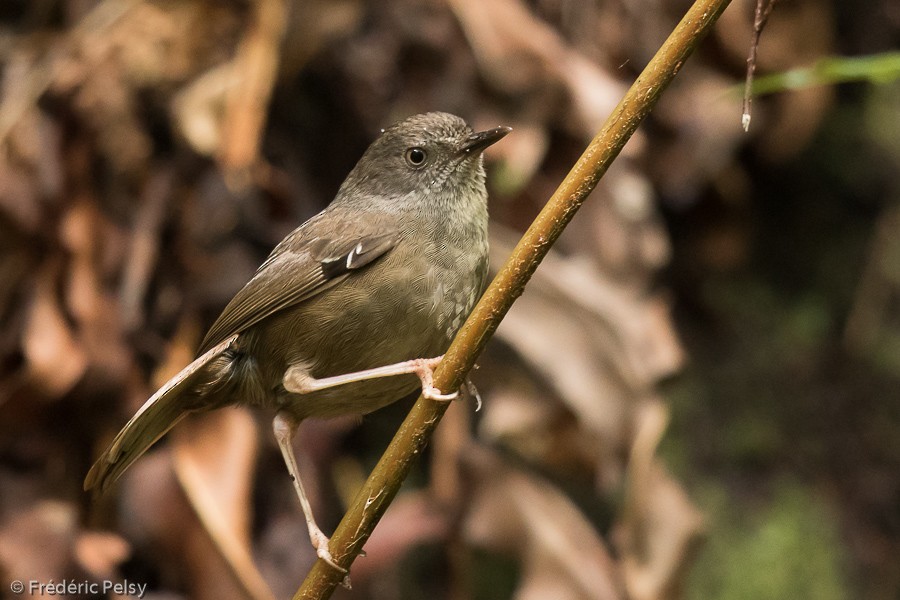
(472,392)
(432,393)
(325,555)
(320,543)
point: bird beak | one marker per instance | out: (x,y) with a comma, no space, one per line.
(481,140)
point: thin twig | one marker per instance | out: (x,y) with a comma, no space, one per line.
(414,433)
(763,10)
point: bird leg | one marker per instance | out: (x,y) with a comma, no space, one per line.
(298,381)
(285,427)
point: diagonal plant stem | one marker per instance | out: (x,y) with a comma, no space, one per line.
(382,485)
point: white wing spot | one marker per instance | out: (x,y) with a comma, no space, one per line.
(353,253)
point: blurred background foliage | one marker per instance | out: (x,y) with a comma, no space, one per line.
(697,396)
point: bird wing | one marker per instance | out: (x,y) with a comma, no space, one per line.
(306,263)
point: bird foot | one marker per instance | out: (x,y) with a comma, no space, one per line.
(320,543)
(424,368)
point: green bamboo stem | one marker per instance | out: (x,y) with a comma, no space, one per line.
(382,485)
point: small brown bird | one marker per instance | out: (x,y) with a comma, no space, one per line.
(353,309)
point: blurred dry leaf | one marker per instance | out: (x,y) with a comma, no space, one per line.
(622,230)
(56,359)
(19,204)
(31,174)
(705,119)
(660,527)
(316,23)
(512,512)
(36,543)
(524,57)
(180,350)
(213,458)
(449,439)
(84,231)
(100,553)
(539,430)
(160,521)
(111,59)
(520,157)
(199,108)
(222,111)
(143,252)
(599,346)
(255,66)
(33,76)
(412,520)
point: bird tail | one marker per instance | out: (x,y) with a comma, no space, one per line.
(154,419)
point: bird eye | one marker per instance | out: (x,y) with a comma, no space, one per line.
(416,157)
